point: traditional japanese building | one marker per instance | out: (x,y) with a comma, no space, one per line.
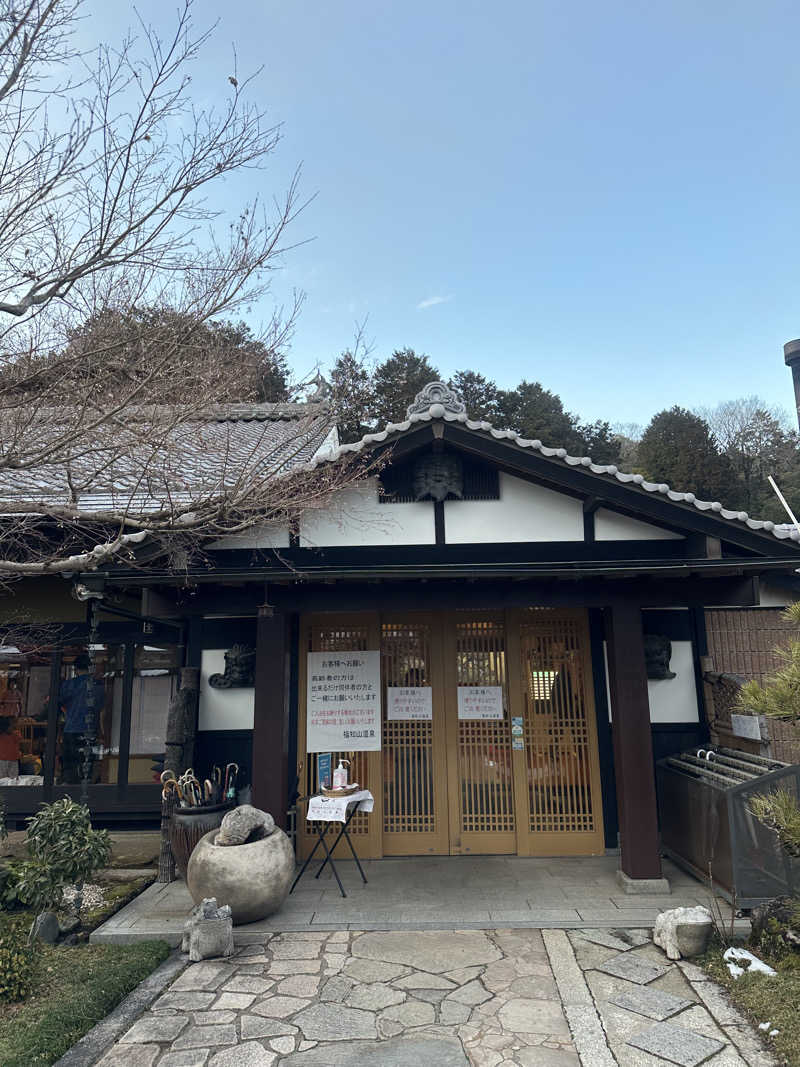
(538,625)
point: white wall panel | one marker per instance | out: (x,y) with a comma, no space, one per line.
(524,512)
(355,517)
(256,537)
(670,699)
(614,526)
(770,596)
(222,709)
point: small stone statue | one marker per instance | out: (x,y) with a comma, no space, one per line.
(208,932)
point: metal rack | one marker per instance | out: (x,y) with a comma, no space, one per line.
(707,827)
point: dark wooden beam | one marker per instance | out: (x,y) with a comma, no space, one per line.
(125,715)
(633,745)
(271,715)
(438,522)
(52,724)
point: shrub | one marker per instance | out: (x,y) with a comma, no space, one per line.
(17,962)
(63,849)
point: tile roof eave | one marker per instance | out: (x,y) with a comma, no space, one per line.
(782,531)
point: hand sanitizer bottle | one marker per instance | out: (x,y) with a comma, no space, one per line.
(340,775)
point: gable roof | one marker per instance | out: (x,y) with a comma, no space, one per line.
(437,403)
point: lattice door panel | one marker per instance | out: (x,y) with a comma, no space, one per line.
(414,797)
(482,785)
(332,635)
(561,759)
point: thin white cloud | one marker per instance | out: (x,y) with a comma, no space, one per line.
(432,301)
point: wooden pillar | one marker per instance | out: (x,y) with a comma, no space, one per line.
(633,746)
(271,719)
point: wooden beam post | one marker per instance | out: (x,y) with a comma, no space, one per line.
(640,861)
(271,715)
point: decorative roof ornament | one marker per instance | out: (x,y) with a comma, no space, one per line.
(437,394)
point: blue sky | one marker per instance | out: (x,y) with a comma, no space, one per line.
(600,196)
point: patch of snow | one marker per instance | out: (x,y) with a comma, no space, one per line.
(739,961)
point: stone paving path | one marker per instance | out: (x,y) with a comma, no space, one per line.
(466,998)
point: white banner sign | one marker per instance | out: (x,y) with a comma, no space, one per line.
(409,702)
(480,702)
(343,706)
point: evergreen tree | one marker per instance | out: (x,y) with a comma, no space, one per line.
(777,699)
(759,441)
(679,448)
(536,413)
(480,395)
(397,381)
(353,396)
(600,442)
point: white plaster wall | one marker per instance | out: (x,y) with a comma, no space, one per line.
(614,526)
(524,512)
(675,699)
(256,537)
(355,517)
(770,596)
(222,709)
(670,699)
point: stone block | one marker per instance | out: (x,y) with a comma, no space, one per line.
(206,1036)
(153,1028)
(247,1054)
(130,1056)
(651,1003)
(676,1044)
(335,1022)
(632,968)
(642,886)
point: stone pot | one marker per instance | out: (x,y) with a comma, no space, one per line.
(692,938)
(253,878)
(187,826)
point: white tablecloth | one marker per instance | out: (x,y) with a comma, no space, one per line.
(334,809)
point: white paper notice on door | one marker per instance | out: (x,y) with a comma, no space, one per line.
(480,702)
(405,702)
(343,707)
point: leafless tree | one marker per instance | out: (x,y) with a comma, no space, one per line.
(109,442)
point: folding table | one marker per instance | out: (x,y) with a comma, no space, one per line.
(326,810)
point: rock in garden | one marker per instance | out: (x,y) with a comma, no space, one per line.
(777,921)
(683,931)
(46,927)
(244,823)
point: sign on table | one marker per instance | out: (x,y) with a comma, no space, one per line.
(343,706)
(409,702)
(480,702)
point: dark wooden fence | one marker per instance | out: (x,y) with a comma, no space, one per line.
(741,646)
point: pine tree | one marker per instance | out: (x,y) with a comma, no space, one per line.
(480,395)
(779,699)
(397,381)
(679,448)
(353,396)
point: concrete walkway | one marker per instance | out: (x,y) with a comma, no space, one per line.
(480,892)
(468,998)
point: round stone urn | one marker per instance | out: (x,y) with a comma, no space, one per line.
(253,878)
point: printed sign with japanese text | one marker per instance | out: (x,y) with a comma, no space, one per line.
(409,702)
(343,706)
(480,702)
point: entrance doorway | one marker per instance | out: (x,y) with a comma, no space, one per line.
(489,739)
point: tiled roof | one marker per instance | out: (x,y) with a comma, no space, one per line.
(435,403)
(218,442)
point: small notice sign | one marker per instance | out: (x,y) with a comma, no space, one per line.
(480,702)
(324,779)
(343,706)
(404,702)
(746,726)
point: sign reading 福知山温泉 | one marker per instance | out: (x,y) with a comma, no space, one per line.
(405,702)
(343,706)
(480,702)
